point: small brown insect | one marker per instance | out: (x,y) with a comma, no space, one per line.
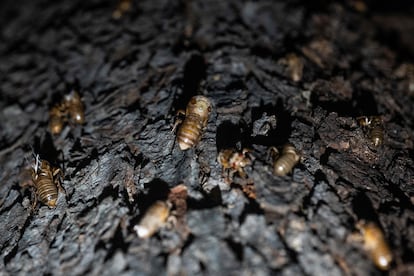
(284,163)
(57,117)
(122,7)
(46,181)
(375,244)
(154,218)
(234,161)
(294,66)
(196,118)
(70,107)
(374,126)
(75,107)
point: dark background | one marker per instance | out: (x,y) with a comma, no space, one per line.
(134,73)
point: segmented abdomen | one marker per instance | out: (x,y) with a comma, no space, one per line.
(284,164)
(47,190)
(189,133)
(377,135)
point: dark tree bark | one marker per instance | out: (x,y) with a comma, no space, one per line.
(135,72)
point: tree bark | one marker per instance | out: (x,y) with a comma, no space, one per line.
(136,69)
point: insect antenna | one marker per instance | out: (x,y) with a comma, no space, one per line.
(38,162)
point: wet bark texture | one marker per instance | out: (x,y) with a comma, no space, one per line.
(135,72)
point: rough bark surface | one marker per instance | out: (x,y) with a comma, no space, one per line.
(135,72)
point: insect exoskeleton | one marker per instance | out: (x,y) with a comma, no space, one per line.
(234,161)
(374,127)
(196,118)
(375,244)
(376,132)
(122,7)
(154,218)
(46,181)
(71,106)
(75,107)
(284,163)
(294,66)
(56,118)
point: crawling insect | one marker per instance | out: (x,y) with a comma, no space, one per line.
(374,126)
(234,161)
(46,181)
(196,118)
(294,66)
(284,163)
(75,107)
(154,218)
(122,7)
(57,116)
(71,106)
(375,244)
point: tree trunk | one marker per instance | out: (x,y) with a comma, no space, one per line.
(275,73)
